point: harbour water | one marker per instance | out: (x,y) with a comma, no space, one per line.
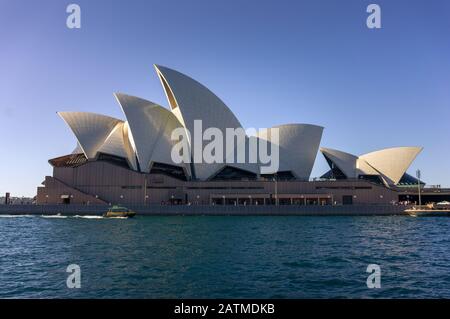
(224,256)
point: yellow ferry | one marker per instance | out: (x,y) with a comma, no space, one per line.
(118,211)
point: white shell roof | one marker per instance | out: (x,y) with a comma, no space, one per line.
(298,146)
(90,129)
(390,163)
(192,101)
(118,144)
(151,126)
(346,162)
(145,138)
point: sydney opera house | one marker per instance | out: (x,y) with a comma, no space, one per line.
(129,161)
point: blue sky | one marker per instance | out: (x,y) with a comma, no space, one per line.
(271,62)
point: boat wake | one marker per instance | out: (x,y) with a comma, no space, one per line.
(97,217)
(82,216)
(15,216)
(57,216)
(54,216)
(88,216)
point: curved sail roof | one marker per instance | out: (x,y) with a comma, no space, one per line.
(90,129)
(118,144)
(192,101)
(390,163)
(346,162)
(298,146)
(151,126)
(145,138)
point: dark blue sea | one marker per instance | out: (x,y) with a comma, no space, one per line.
(225,257)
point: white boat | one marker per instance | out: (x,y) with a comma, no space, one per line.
(439,209)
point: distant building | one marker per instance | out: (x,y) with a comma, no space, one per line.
(117,161)
(17,200)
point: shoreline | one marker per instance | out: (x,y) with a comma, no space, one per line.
(209,210)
